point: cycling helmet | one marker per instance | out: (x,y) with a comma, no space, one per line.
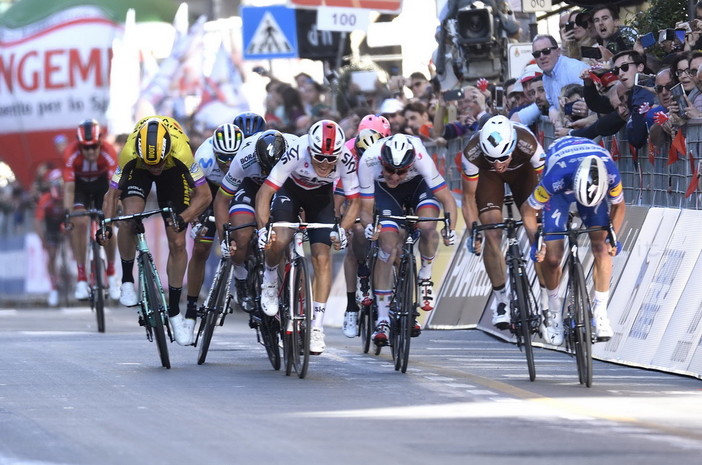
(250,123)
(590,181)
(153,142)
(326,139)
(226,141)
(397,152)
(88,132)
(378,123)
(366,138)
(270,146)
(498,137)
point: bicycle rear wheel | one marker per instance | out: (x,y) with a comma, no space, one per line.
(153,309)
(406,306)
(583,328)
(302,317)
(365,326)
(97,268)
(523,305)
(213,308)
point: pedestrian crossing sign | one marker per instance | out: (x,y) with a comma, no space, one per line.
(269,32)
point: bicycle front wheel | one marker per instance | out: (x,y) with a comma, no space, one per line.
(153,310)
(525,308)
(583,327)
(405,317)
(268,326)
(302,317)
(97,268)
(213,308)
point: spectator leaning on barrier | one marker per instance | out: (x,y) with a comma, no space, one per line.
(640,100)
(684,75)
(663,119)
(559,71)
(530,112)
(391,109)
(611,35)
(418,122)
(613,121)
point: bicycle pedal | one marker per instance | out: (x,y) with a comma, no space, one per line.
(502,326)
(603,339)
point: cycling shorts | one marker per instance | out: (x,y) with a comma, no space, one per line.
(317,204)
(90,194)
(172,188)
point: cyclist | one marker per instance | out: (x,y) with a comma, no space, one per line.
(235,200)
(48,223)
(304,179)
(250,123)
(89,164)
(580,171)
(394,174)
(371,129)
(157,151)
(502,152)
(213,156)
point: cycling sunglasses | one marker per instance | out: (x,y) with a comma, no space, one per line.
(331,159)
(499,160)
(91,146)
(545,51)
(391,170)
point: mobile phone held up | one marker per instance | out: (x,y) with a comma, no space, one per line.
(591,52)
(451,95)
(679,96)
(648,40)
(644,80)
(499,98)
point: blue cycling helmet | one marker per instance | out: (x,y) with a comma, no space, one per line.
(250,123)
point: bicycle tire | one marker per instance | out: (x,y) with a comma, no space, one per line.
(583,328)
(213,308)
(407,316)
(98,285)
(367,315)
(520,286)
(302,317)
(268,325)
(152,310)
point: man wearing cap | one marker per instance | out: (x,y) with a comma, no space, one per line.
(531,113)
(559,71)
(391,109)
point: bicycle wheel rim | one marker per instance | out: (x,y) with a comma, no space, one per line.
(409,312)
(98,293)
(584,329)
(154,314)
(520,287)
(302,317)
(364,327)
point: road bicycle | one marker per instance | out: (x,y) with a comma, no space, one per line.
(153,309)
(577,310)
(368,312)
(97,280)
(295,301)
(525,317)
(217,305)
(404,302)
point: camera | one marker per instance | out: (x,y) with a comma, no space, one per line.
(451,95)
(591,52)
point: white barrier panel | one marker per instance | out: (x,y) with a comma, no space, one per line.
(652,319)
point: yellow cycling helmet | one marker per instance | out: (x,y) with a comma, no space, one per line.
(153,142)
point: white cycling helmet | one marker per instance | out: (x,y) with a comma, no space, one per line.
(326,139)
(590,181)
(498,138)
(226,141)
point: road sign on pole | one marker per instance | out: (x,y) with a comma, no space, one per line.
(269,32)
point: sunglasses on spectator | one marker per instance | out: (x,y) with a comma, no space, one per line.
(545,51)
(91,147)
(680,72)
(659,88)
(391,170)
(623,67)
(331,159)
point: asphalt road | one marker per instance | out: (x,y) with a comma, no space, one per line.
(69,395)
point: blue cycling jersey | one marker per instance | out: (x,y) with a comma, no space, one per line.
(562,160)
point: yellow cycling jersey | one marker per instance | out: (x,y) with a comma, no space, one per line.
(180,155)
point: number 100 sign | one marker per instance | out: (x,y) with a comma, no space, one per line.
(342,19)
(536,5)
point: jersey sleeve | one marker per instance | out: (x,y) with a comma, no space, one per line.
(615,193)
(349,175)
(427,169)
(470,171)
(284,168)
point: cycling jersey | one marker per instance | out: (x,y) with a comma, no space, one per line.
(562,161)
(76,167)
(526,150)
(370,169)
(246,166)
(50,212)
(180,158)
(206,159)
(296,165)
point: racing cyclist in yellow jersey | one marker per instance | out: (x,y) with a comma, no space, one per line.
(157,151)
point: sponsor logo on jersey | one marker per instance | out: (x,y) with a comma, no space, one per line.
(540,194)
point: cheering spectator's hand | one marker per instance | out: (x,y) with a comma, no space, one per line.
(482,84)
(660,118)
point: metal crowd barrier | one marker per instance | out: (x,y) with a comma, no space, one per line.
(648,178)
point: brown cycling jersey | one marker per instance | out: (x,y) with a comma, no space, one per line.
(526,149)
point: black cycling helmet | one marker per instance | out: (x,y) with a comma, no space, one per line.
(250,123)
(270,146)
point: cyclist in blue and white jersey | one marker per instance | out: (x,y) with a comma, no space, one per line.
(235,200)
(213,156)
(395,173)
(580,171)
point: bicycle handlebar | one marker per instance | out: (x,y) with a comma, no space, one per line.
(570,232)
(413,219)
